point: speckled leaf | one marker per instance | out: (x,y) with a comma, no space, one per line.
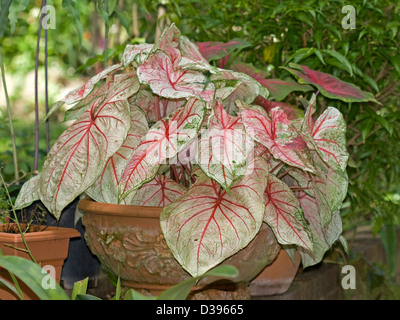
(137,53)
(224,148)
(328,133)
(278,135)
(105,188)
(158,192)
(285,216)
(207,225)
(79,155)
(28,193)
(82,92)
(166,80)
(163,141)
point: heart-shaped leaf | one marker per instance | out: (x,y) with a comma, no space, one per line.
(328,133)
(278,89)
(166,80)
(82,92)
(136,53)
(164,140)
(329,85)
(278,135)
(78,157)
(207,225)
(224,148)
(158,192)
(105,188)
(216,50)
(285,216)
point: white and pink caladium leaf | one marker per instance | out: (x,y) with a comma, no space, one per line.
(28,193)
(285,216)
(224,147)
(192,58)
(128,80)
(278,135)
(324,234)
(167,80)
(328,133)
(159,192)
(105,188)
(136,53)
(148,102)
(207,225)
(163,141)
(231,86)
(83,91)
(79,155)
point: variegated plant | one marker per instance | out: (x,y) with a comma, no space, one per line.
(165,127)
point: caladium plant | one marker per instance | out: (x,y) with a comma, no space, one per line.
(166,127)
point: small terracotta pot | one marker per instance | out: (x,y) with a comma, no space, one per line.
(277,277)
(128,240)
(49,246)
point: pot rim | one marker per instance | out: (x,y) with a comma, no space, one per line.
(88,205)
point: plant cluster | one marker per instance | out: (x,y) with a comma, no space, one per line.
(164,127)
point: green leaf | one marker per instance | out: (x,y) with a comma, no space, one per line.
(79,288)
(5,7)
(86,297)
(389,239)
(344,63)
(31,274)
(182,289)
(123,19)
(15,8)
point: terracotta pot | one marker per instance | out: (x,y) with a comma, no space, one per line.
(277,277)
(128,240)
(49,246)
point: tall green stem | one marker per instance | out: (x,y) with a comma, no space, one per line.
(15,158)
(105,35)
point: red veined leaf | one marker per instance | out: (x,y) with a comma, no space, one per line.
(324,234)
(207,225)
(158,192)
(137,53)
(224,148)
(329,85)
(80,154)
(164,140)
(328,133)
(167,81)
(81,106)
(28,193)
(285,216)
(278,135)
(105,188)
(82,92)
(148,102)
(328,186)
(192,58)
(231,86)
(278,89)
(292,112)
(215,50)
(169,44)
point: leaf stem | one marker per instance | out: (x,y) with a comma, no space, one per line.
(15,158)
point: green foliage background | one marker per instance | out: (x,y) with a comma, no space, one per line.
(306,32)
